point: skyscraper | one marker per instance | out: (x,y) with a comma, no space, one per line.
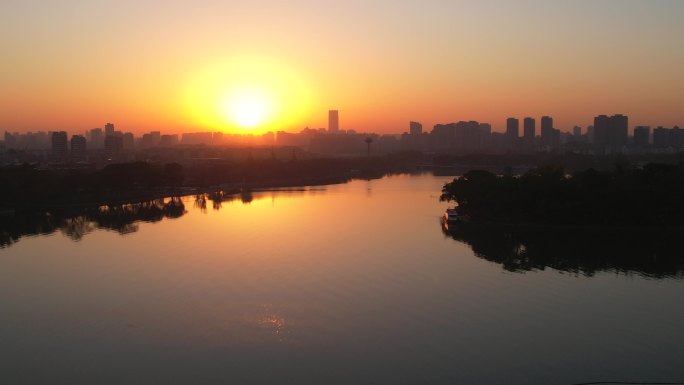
(642,135)
(109,129)
(415,128)
(113,146)
(414,139)
(601,130)
(610,130)
(59,145)
(529,129)
(512,128)
(512,131)
(78,147)
(333,121)
(156,136)
(128,141)
(618,130)
(661,137)
(96,138)
(547,130)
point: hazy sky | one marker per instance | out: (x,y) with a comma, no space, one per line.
(159,64)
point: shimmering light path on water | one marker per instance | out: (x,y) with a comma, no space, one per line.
(346,284)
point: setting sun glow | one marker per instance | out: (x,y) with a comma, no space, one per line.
(246,94)
(247,108)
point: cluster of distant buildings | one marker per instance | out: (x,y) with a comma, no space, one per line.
(608,135)
(108,145)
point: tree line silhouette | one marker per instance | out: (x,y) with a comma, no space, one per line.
(626,196)
(28,186)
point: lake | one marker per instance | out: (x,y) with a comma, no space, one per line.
(356,283)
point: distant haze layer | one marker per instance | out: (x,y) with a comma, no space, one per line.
(244,67)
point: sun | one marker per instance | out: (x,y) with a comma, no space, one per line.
(247,107)
(247,93)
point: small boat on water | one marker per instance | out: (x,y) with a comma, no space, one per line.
(451,216)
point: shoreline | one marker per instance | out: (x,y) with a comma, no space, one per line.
(229,189)
(616,229)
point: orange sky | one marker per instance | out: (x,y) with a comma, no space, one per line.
(151,65)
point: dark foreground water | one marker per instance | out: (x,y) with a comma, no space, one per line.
(347,284)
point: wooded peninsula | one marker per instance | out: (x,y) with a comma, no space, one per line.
(641,196)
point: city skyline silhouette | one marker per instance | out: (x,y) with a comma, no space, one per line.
(208,66)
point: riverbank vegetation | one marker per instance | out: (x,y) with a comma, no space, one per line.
(646,196)
(27,186)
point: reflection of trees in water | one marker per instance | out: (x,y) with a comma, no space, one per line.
(13,227)
(76,223)
(649,252)
(77,227)
(201,202)
(248,195)
(217,198)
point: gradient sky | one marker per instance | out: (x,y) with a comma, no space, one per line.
(145,65)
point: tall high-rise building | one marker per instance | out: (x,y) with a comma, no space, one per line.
(512,132)
(619,127)
(59,145)
(484,133)
(601,130)
(113,146)
(128,141)
(333,121)
(156,137)
(661,137)
(168,140)
(642,135)
(677,137)
(414,139)
(109,129)
(96,138)
(512,128)
(78,147)
(529,129)
(610,130)
(547,130)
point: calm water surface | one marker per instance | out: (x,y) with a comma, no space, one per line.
(346,284)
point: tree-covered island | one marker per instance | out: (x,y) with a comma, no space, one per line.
(649,196)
